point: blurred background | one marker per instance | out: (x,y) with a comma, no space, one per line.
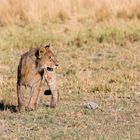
(45,20)
(44,11)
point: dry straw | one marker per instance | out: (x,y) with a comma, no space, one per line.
(44,11)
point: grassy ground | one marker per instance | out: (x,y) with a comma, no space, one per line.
(96,64)
(98,47)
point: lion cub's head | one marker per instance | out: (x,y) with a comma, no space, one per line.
(45,58)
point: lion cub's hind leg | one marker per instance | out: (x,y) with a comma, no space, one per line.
(20,95)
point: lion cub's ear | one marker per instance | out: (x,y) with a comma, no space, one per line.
(41,52)
(47,46)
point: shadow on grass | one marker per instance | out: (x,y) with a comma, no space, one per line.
(4,107)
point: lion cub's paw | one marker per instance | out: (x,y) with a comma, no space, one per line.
(53,105)
(30,108)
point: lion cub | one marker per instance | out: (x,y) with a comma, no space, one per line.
(33,66)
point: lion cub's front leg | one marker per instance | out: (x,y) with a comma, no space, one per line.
(34,96)
(50,78)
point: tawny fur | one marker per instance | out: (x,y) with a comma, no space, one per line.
(31,70)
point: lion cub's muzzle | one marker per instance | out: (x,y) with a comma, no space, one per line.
(46,68)
(49,69)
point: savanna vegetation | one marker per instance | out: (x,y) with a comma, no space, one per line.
(97,44)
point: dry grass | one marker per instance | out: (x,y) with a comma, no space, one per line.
(98,46)
(106,72)
(44,11)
